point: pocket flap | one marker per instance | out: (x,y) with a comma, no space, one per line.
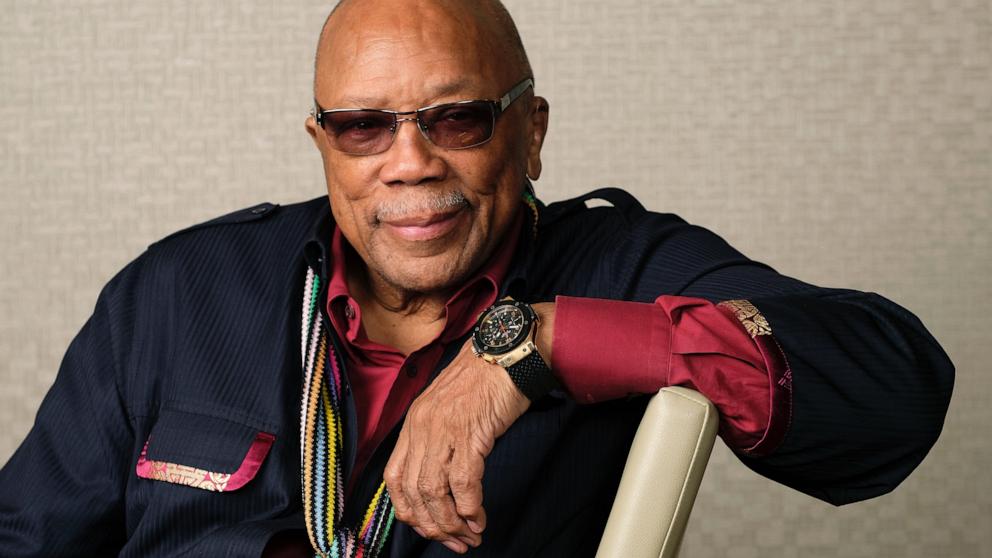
(203,451)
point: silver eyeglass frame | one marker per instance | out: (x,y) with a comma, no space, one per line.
(499,106)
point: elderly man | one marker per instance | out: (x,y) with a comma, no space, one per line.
(435,362)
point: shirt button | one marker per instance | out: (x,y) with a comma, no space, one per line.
(411,370)
(349,311)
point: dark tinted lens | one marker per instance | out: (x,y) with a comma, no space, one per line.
(360,132)
(459,125)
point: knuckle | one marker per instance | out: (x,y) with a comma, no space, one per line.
(468,507)
(394,479)
(460,480)
(466,511)
(432,489)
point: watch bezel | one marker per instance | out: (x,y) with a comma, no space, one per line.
(530,318)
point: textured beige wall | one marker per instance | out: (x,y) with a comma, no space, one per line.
(847,143)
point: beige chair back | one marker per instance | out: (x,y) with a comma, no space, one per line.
(663,472)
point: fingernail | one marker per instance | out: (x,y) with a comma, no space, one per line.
(454,547)
(468,542)
(419,532)
(475,527)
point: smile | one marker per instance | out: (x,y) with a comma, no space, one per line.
(420,228)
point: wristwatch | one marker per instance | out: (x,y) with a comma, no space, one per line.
(504,335)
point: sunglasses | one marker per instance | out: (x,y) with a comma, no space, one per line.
(451,125)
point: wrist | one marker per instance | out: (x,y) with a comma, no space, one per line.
(544,338)
(510,333)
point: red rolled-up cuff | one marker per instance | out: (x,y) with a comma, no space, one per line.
(607,349)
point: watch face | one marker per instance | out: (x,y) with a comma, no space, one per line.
(502,328)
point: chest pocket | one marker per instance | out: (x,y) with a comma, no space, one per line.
(203,451)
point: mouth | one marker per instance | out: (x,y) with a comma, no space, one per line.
(427,226)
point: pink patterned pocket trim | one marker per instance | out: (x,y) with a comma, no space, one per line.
(203,479)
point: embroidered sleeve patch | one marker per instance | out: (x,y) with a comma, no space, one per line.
(749,316)
(207,480)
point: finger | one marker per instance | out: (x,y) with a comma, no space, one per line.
(435,489)
(455,546)
(414,460)
(393,476)
(465,478)
(442,510)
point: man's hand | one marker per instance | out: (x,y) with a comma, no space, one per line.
(434,475)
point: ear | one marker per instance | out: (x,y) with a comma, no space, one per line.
(539,112)
(311,126)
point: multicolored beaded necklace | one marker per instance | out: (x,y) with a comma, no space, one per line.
(322,442)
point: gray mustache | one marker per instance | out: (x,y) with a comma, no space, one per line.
(399,209)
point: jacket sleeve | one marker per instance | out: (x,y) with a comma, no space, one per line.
(61,492)
(868,385)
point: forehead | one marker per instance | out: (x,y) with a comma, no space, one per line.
(405,60)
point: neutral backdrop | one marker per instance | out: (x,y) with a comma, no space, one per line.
(847,143)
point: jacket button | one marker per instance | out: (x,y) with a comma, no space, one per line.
(259,210)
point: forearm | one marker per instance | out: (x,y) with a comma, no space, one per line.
(838,394)
(612,349)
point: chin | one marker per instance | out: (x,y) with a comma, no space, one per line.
(426,275)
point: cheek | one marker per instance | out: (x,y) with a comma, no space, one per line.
(349,186)
(495,182)
(347,178)
(491,173)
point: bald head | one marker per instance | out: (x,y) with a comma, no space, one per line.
(485,22)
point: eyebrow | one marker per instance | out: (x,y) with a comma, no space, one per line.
(436,93)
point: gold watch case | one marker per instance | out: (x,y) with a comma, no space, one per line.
(504,333)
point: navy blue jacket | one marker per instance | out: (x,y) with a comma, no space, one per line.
(196,345)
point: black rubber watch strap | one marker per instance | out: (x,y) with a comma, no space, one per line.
(533,376)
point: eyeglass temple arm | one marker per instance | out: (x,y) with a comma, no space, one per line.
(517,91)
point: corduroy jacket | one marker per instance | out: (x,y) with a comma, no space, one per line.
(172,428)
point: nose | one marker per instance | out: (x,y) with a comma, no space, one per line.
(411,159)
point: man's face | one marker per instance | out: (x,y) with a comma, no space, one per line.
(423,217)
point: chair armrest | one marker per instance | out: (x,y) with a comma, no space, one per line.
(662,476)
